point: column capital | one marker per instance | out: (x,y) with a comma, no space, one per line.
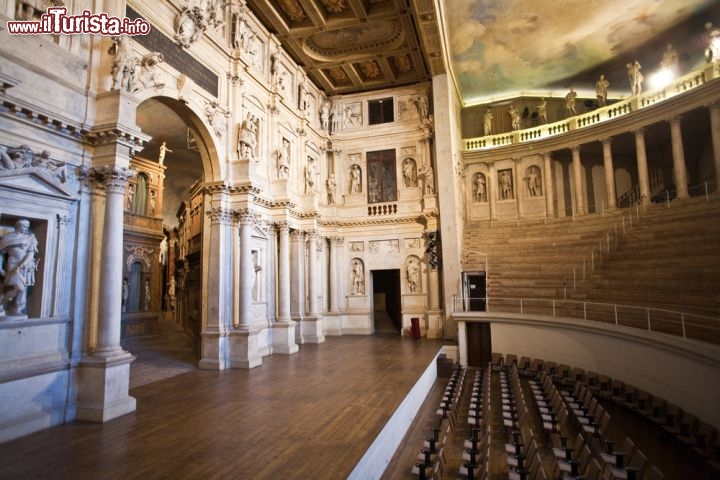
(312,234)
(245,217)
(574,148)
(675,120)
(282,227)
(219,215)
(297,234)
(338,241)
(639,131)
(606,140)
(113,179)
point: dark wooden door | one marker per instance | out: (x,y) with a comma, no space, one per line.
(479,345)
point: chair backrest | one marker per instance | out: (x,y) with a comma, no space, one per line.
(593,470)
(638,461)
(653,473)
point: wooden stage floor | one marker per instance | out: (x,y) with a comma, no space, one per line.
(310,415)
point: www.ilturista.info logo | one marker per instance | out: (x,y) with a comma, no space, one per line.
(57,22)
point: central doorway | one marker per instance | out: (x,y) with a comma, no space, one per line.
(475,287)
(387,310)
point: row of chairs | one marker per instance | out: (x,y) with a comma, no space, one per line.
(476,449)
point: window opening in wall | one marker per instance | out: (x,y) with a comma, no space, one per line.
(382,179)
(380,111)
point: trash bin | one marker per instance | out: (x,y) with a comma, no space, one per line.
(415,328)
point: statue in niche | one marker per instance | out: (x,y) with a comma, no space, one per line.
(635,77)
(355,179)
(601,88)
(146,304)
(514,117)
(325,116)
(421,104)
(310,172)
(570,101)
(163,151)
(409,172)
(413,274)
(480,188)
(283,160)
(542,111)
(130,197)
(712,52)
(533,181)
(241,33)
(488,122)
(153,203)
(331,188)
(303,99)
(506,189)
(171,292)
(124,295)
(428,177)
(247,137)
(358,278)
(336,118)
(163,255)
(18,262)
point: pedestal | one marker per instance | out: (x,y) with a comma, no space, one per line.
(244,348)
(435,329)
(214,351)
(103,385)
(313,330)
(333,324)
(283,338)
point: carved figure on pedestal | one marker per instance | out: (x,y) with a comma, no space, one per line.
(310,172)
(712,52)
(153,203)
(409,170)
(18,250)
(355,179)
(357,278)
(413,274)
(325,116)
(336,118)
(514,117)
(601,88)
(303,99)
(480,188)
(542,111)
(506,189)
(125,294)
(163,151)
(533,181)
(421,103)
(570,101)
(171,292)
(123,60)
(162,256)
(146,304)
(130,197)
(428,177)
(331,189)
(488,122)
(635,76)
(247,137)
(283,160)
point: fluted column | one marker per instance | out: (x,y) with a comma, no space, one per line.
(111,262)
(518,185)
(335,244)
(297,274)
(312,273)
(715,133)
(678,158)
(577,180)
(610,195)
(247,272)
(284,273)
(549,186)
(62,268)
(643,179)
(492,191)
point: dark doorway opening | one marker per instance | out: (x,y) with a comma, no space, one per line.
(479,345)
(387,309)
(475,291)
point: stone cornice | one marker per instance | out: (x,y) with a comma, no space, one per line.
(370,221)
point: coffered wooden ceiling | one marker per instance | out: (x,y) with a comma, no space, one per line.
(348,46)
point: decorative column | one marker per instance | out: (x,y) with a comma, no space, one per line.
(610,195)
(62,268)
(435,329)
(283,331)
(549,186)
(519,186)
(104,377)
(643,179)
(297,280)
(244,341)
(332,319)
(577,180)
(715,133)
(681,182)
(313,330)
(492,191)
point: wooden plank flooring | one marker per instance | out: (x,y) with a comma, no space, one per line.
(310,415)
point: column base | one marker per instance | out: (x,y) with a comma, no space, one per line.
(435,324)
(283,338)
(214,351)
(103,385)
(244,348)
(313,329)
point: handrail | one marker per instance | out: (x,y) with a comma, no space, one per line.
(680,324)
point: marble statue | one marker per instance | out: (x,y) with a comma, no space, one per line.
(303,99)
(570,101)
(247,137)
(153,203)
(146,305)
(635,77)
(310,172)
(130,197)
(428,177)
(480,187)
(357,278)
(216,118)
(163,151)
(172,286)
(57,170)
(18,262)
(409,173)
(325,116)
(542,111)
(336,118)
(506,190)
(352,117)
(533,181)
(601,88)
(413,274)
(421,103)
(488,122)
(331,188)
(712,52)
(355,179)
(514,117)
(149,72)
(163,255)
(283,160)
(123,62)
(124,295)
(16,157)
(241,33)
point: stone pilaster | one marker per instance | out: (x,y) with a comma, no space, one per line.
(610,194)
(297,279)
(283,331)
(313,330)
(679,169)
(549,185)
(578,181)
